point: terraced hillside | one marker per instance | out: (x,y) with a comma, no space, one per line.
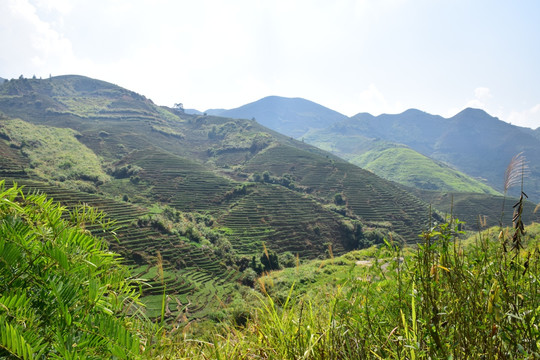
(366,195)
(12,163)
(179,182)
(193,276)
(125,128)
(285,220)
(204,193)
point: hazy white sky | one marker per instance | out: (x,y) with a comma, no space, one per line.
(377,56)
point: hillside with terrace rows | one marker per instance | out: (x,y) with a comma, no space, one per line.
(284,220)
(12,163)
(179,182)
(253,186)
(190,162)
(250,214)
(368,196)
(197,199)
(193,275)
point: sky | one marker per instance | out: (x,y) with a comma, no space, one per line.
(376,56)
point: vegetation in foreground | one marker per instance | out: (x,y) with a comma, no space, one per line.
(65,296)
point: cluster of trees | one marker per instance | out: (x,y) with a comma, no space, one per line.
(286,180)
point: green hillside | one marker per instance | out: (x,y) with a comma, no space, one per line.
(208,195)
(67,295)
(413,169)
(394,161)
(202,209)
(366,195)
(193,274)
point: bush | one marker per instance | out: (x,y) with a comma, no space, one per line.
(287,259)
(63,294)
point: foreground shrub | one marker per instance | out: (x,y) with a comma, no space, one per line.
(62,293)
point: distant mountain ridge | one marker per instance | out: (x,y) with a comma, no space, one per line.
(472,141)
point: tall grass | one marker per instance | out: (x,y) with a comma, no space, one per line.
(446,299)
(449,299)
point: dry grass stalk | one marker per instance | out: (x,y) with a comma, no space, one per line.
(515,171)
(160,267)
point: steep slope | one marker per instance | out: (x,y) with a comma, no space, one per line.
(199,163)
(374,200)
(289,116)
(413,169)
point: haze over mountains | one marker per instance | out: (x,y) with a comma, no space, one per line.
(471,146)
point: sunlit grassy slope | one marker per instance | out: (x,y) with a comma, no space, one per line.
(413,169)
(396,162)
(53,153)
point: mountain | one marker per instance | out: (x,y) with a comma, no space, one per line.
(2,80)
(472,142)
(193,112)
(124,128)
(302,118)
(536,133)
(288,116)
(207,197)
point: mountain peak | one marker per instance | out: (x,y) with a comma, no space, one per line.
(413,111)
(473,112)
